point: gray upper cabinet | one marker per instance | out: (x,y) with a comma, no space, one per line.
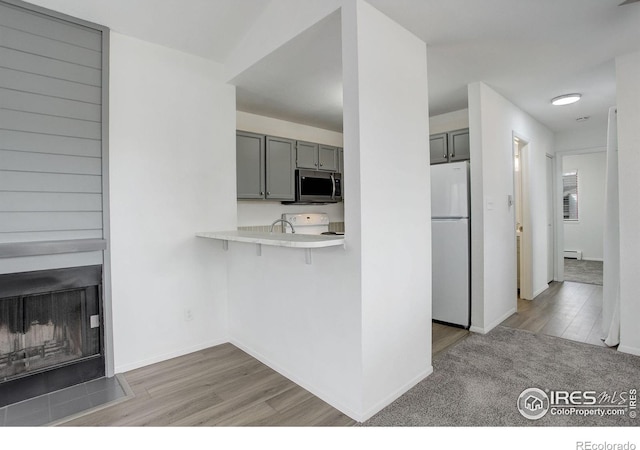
(327,158)
(280,168)
(316,156)
(449,147)
(438,148)
(306,155)
(265,167)
(341,161)
(250,163)
(459,145)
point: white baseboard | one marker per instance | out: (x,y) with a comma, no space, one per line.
(330,399)
(282,371)
(629,350)
(540,291)
(485,330)
(394,396)
(165,356)
(584,258)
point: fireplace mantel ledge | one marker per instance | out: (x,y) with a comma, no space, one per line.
(38,248)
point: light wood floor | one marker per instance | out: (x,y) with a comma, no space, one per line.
(444,337)
(225,386)
(568,310)
(221,385)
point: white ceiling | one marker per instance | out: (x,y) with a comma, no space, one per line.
(299,82)
(528,50)
(207,28)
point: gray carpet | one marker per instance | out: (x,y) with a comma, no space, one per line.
(583,271)
(478,381)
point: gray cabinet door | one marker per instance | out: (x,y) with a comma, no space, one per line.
(280,168)
(459,145)
(306,155)
(250,157)
(341,161)
(438,148)
(327,158)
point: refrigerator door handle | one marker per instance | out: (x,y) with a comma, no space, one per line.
(449,219)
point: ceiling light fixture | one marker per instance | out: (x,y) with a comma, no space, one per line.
(565,99)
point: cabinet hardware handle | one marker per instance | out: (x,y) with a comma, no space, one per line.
(261,192)
(321,164)
(268,193)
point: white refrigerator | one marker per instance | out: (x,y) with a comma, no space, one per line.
(450,237)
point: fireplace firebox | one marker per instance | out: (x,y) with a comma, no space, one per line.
(50,331)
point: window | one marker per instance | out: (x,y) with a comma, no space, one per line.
(570,195)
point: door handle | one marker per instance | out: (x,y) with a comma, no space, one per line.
(333,187)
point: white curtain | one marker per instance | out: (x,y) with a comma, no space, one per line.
(611,274)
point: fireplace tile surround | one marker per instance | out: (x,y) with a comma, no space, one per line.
(63,405)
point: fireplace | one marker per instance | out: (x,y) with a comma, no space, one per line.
(50,331)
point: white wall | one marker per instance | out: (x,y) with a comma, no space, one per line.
(354,327)
(587,234)
(386,138)
(589,137)
(172,173)
(628,103)
(452,121)
(252,212)
(493,120)
(280,22)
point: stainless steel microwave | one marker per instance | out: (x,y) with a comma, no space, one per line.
(318,187)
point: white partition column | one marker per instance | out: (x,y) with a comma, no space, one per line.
(387,163)
(628,103)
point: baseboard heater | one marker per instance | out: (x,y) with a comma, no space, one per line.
(573,254)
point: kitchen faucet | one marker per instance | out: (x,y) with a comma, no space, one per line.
(284,221)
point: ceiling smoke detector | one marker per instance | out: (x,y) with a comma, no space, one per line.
(565,99)
(583,119)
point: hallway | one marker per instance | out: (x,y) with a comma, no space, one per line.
(583,271)
(568,310)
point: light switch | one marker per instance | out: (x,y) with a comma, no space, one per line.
(490,204)
(94,321)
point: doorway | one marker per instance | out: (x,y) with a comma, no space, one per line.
(568,309)
(521,218)
(551,253)
(583,186)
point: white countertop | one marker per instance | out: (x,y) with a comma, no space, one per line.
(276,239)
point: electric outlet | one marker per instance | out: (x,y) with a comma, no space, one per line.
(188,315)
